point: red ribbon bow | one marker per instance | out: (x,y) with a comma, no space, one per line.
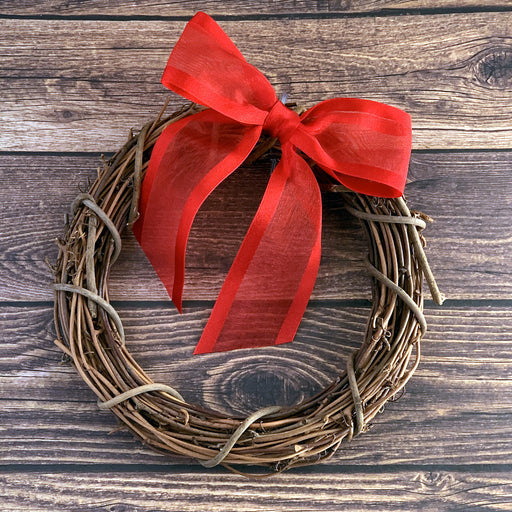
(363,144)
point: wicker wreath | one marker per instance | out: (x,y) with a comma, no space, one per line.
(90,331)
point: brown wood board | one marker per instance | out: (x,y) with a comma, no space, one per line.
(466,353)
(394,491)
(78,85)
(467,244)
(232,7)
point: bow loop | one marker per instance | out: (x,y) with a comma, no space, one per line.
(281,122)
(363,144)
(207,68)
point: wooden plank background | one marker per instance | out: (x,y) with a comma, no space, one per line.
(77,75)
(108,8)
(74,83)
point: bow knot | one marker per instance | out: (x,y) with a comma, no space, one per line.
(363,144)
(281,122)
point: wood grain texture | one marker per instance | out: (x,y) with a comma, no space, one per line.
(226,8)
(389,491)
(77,75)
(468,242)
(78,85)
(456,409)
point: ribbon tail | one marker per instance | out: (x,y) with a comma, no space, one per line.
(191,157)
(269,284)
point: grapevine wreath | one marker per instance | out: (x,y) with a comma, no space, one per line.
(90,331)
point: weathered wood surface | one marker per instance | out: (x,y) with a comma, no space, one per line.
(456,409)
(175,8)
(77,75)
(394,491)
(78,85)
(468,242)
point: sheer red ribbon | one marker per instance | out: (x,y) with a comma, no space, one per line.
(363,144)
